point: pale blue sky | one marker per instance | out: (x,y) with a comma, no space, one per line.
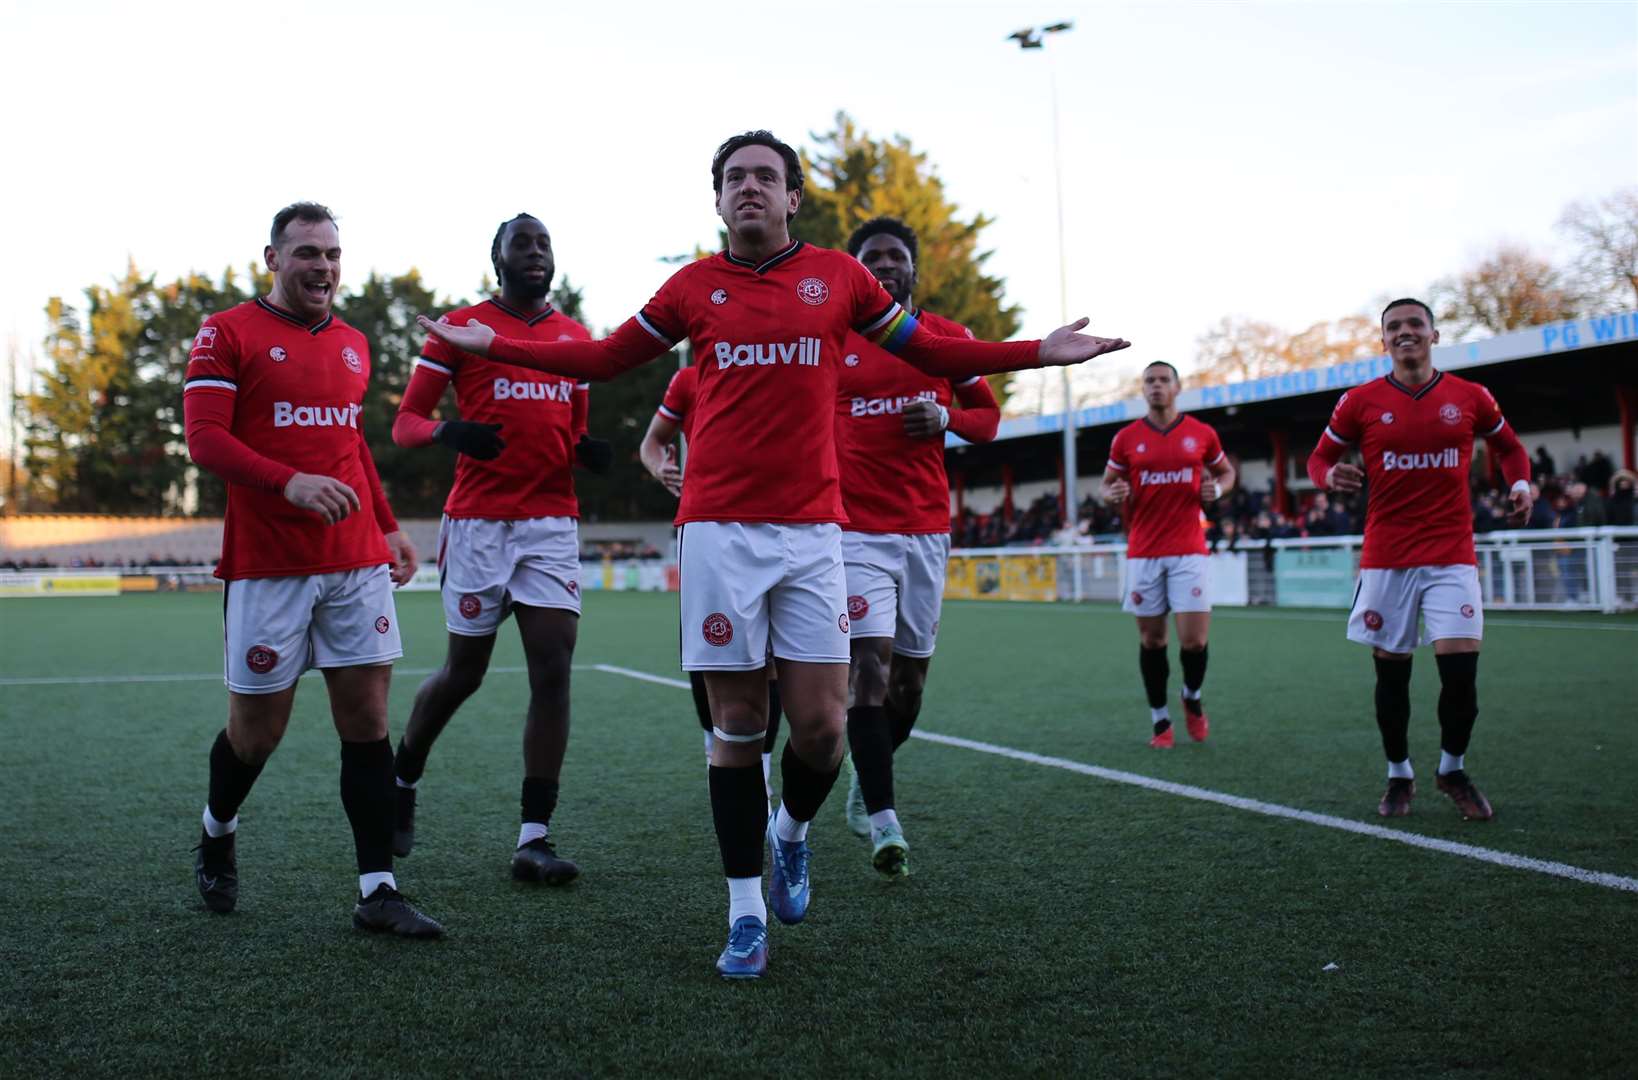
(1291,162)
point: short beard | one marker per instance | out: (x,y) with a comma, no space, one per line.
(527,289)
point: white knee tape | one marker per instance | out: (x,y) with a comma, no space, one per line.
(726,737)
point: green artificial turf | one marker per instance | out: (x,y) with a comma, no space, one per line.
(1055,923)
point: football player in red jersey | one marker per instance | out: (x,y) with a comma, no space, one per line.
(761,556)
(1415,427)
(1161,469)
(310,553)
(890,425)
(509,542)
(658,453)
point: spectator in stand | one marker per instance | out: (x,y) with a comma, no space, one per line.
(1598,473)
(1542,468)
(1541,508)
(1620,509)
(1317,522)
(1588,505)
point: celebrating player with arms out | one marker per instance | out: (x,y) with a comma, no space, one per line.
(272,400)
(509,544)
(1415,427)
(761,549)
(1162,468)
(890,424)
(659,456)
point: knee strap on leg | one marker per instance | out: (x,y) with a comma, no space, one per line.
(754,736)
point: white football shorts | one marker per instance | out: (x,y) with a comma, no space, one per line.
(484,567)
(276,628)
(746,586)
(1169,583)
(895,587)
(1387,603)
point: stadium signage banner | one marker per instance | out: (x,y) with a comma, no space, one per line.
(1559,337)
(1314,577)
(59,585)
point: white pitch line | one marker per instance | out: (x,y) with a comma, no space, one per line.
(1255,806)
(643,676)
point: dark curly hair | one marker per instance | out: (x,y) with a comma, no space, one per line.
(884,226)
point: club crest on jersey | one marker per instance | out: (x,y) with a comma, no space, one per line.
(1189,444)
(842,624)
(382,624)
(277,354)
(469,606)
(812,291)
(205,338)
(858,607)
(720,296)
(350,358)
(1467,611)
(1450,414)
(717,629)
(261,659)
(1143,448)
(1387,418)
(851,359)
(1373,620)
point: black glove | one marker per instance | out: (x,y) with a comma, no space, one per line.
(475,440)
(596,455)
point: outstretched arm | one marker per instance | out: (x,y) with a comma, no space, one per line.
(961,358)
(628,347)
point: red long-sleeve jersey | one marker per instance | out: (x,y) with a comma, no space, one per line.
(1417,443)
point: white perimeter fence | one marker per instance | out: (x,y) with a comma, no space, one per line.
(1592,569)
(1539,569)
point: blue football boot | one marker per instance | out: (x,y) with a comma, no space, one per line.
(788,891)
(746,955)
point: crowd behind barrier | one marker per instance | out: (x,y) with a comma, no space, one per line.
(1592,493)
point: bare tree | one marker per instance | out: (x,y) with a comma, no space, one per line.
(1604,272)
(1509,289)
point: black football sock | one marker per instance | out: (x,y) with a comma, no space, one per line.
(902,716)
(702,701)
(1393,707)
(871,741)
(774,713)
(407,765)
(1156,670)
(1194,671)
(739,809)
(539,800)
(367,796)
(230,779)
(802,789)
(1458,700)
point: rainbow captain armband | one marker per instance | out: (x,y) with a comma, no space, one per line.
(891,329)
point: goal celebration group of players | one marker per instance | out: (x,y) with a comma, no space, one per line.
(813,529)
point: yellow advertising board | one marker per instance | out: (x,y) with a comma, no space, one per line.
(59,585)
(1001,577)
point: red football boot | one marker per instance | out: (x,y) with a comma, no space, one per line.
(1194,716)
